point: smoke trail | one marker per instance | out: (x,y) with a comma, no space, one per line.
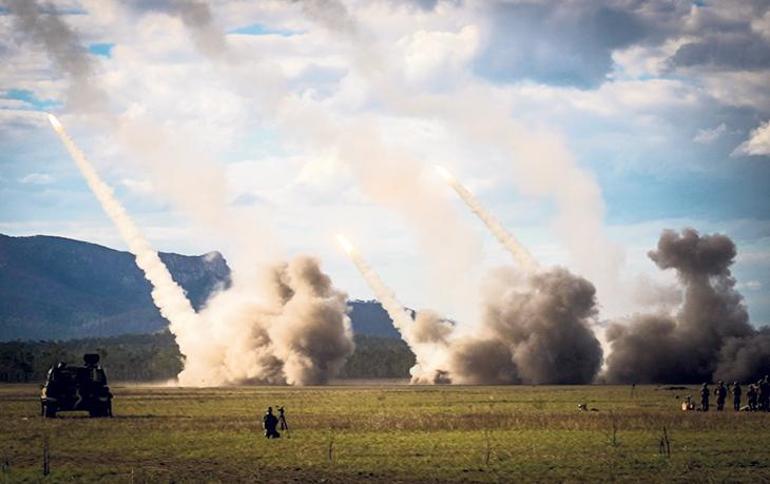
(426,336)
(166,294)
(509,241)
(300,335)
(65,50)
(197,18)
(709,337)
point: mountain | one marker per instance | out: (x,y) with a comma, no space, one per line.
(53,288)
(369,318)
(57,288)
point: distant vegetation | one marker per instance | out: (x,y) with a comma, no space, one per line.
(154,357)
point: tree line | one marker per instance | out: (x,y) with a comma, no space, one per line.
(156,357)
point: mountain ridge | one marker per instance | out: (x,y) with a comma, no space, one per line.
(56,288)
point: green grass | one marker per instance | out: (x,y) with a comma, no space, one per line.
(385,433)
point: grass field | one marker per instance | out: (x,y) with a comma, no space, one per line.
(386,433)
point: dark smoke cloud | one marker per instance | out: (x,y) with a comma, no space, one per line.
(331,14)
(708,337)
(745,359)
(535,334)
(64,48)
(475,361)
(196,15)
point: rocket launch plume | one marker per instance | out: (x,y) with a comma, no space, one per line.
(299,334)
(383,293)
(166,294)
(425,336)
(509,241)
(535,329)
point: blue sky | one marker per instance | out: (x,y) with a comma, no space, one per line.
(262,128)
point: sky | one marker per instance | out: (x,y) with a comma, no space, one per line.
(261,129)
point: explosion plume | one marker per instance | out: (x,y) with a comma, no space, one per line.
(710,335)
(535,330)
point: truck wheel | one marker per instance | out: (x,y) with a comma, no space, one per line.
(49,410)
(100,411)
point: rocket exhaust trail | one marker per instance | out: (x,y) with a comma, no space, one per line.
(166,294)
(395,309)
(509,241)
(430,355)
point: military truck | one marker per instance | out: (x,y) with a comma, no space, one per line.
(76,388)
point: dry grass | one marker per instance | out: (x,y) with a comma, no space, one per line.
(388,433)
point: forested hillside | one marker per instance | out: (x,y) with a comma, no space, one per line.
(53,289)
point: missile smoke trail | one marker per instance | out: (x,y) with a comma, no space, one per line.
(166,294)
(509,241)
(426,336)
(401,318)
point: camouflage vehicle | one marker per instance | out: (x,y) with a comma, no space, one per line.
(76,388)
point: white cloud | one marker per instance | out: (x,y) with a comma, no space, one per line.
(706,136)
(758,142)
(37,179)
(749,285)
(139,187)
(428,54)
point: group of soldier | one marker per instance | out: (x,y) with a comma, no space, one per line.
(757,395)
(271,423)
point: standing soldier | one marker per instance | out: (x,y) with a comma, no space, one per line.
(764,393)
(269,422)
(736,396)
(721,393)
(751,396)
(704,397)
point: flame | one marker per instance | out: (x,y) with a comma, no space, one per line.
(444,174)
(345,244)
(54,122)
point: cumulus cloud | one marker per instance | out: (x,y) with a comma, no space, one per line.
(706,136)
(561,44)
(758,143)
(64,48)
(37,179)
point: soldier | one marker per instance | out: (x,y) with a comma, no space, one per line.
(269,422)
(736,396)
(704,397)
(282,419)
(721,393)
(764,393)
(751,395)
